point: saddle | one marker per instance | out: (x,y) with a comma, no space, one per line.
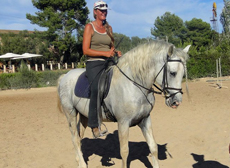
(82,89)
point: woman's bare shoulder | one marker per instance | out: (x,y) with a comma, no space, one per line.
(89,25)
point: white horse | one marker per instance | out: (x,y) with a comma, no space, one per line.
(130,97)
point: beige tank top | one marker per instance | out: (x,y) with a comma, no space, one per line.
(99,42)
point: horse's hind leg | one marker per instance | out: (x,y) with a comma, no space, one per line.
(146,127)
(82,124)
(72,120)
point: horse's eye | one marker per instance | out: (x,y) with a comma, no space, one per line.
(173,74)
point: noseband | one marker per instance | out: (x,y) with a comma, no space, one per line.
(165,86)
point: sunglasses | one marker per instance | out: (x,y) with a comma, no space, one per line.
(101,6)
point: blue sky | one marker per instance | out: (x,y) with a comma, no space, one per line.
(129,17)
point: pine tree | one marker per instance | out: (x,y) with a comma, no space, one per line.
(61,18)
(225,17)
(170,26)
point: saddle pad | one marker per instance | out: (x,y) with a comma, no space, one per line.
(82,86)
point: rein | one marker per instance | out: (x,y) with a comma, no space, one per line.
(151,90)
(164,82)
(135,83)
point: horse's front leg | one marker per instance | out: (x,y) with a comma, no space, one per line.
(123,132)
(146,127)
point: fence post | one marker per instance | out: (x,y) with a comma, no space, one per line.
(51,66)
(65,65)
(220,67)
(13,69)
(72,65)
(36,67)
(28,65)
(43,68)
(59,67)
(219,74)
(4,68)
(217,70)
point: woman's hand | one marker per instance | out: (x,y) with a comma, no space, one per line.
(119,54)
(111,52)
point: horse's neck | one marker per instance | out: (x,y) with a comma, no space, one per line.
(142,72)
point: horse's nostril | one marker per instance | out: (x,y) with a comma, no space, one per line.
(175,104)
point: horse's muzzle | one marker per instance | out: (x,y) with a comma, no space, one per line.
(172,102)
(175,105)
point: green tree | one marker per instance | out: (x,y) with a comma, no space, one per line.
(124,45)
(136,41)
(225,16)
(199,32)
(63,19)
(22,43)
(25,42)
(170,26)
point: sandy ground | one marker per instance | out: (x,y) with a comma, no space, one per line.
(33,134)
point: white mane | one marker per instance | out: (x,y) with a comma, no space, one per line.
(141,58)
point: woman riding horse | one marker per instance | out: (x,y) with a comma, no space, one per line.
(98,45)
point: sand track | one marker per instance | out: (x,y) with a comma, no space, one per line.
(33,134)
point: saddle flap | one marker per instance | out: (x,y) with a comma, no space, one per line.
(104,83)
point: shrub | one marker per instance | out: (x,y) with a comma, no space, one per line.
(4,80)
(49,78)
(25,79)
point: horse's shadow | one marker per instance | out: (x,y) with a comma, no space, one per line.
(109,148)
(201,163)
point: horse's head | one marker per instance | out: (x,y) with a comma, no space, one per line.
(172,74)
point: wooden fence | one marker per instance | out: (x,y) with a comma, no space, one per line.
(11,69)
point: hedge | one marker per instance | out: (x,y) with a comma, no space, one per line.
(25,79)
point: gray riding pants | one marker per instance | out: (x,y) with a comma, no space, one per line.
(93,73)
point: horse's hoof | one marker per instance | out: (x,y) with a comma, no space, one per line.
(98,133)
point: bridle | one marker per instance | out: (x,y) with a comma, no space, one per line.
(165,86)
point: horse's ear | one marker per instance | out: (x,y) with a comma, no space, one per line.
(186,48)
(170,51)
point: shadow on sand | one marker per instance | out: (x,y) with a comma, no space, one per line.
(109,148)
(201,163)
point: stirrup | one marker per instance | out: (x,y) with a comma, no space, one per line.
(101,133)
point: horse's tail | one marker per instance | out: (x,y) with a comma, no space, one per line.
(58,96)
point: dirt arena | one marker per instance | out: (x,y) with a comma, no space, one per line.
(33,134)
